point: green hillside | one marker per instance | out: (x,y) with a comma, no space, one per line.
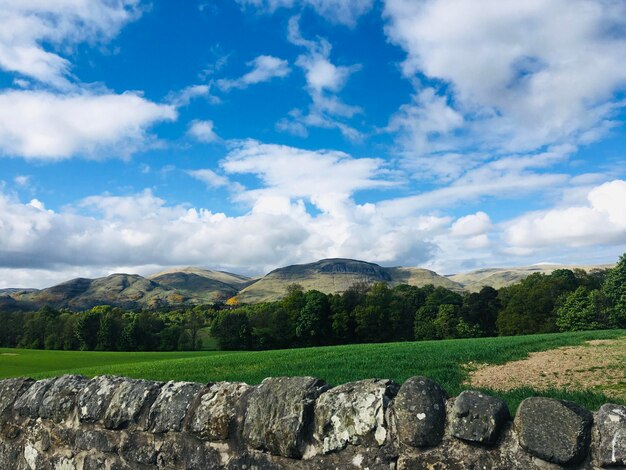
(336,275)
(497,278)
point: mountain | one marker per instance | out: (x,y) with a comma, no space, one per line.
(183,286)
(336,275)
(497,278)
(128,291)
(202,283)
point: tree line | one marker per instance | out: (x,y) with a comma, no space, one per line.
(566,300)
(105,328)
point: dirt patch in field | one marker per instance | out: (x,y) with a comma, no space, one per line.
(9,354)
(598,364)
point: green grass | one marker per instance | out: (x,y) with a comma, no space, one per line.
(439,360)
(37,363)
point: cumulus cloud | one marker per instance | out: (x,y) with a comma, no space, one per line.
(325,177)
(48,126)
(602,220)
(344,12)
(540,72)
(425,125)
(202,131)
(471,225)
(140,230)
(264,69)
(34,31)
(324,80)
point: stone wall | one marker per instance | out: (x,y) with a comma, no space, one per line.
(72,422)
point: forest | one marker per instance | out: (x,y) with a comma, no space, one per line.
(566,300)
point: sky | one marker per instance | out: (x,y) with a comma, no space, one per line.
(245,135)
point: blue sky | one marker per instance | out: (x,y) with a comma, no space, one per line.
(250,134)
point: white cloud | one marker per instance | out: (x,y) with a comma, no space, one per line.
(325,177)
(601,221)
(187,94)
(324,80)
(536,73)
(264,69)
(48,126)
(139,230)
(215,180)
(345,12)
(22,180)
(425,125)
(30,28)
(202,131)
(471,225)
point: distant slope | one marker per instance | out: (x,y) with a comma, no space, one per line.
(502,277)
(336,275)
(202,283)
(123,290)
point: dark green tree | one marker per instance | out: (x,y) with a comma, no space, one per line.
(614,289)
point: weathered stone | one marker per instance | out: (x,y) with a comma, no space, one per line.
(346,413)
(29,402)
(610,422)
(477,417)
(558,431)
(418,412)
(60,398)
(279,412)
(96,396)
(186,452)
(32,456)
(127,402)
(139,448)
(10,390)
(101,440)
(91,462)
(170,407)
(9,454)
(216,413)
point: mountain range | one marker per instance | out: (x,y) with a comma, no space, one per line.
(190,286)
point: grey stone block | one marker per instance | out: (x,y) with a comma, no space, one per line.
(94,399)
(610,422)
(217,411)
(477,417)
(128,401)
(60,399)
(347,413)
(418,412)
(10,390)
(558,431)
(170,407)
(279,412)
(29,402)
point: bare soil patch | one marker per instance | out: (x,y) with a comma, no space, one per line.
(598,364)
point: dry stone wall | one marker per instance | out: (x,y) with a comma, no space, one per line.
(114,423)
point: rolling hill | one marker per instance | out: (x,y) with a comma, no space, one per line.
(336,275)
(497,278)
(202,283)
(190,285)
(129,291)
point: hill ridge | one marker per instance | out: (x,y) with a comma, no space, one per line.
(195,285)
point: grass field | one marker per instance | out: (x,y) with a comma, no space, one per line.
(440,360)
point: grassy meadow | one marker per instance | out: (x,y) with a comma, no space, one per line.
(443,361)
